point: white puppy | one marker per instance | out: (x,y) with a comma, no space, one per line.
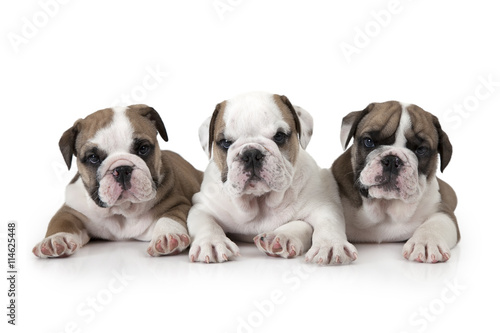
(261,184)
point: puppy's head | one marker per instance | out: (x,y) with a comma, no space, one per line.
(118,157)
(395,149)
(254,139)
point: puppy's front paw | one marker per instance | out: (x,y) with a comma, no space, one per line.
(168,244)
(213,249)
(332,252)
(428,249)
(279,245)
(59,245)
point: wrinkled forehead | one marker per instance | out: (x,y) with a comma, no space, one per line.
(382,121)
(114,129)
(250,115)
(423,125)
(90,126)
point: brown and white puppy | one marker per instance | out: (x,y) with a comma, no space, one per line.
(261,184)
(125,188)
(388,184)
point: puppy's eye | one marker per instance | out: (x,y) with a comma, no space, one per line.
(225,144)
(143,150)
(368,143)
(280,138)
(93,159)
(421,151)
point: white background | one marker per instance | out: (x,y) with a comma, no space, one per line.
(61,62)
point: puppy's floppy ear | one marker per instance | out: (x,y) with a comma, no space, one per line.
(67,143)
(290,107)
(445,149)
(204,136)
(211,127)
(151,114)
(306,126)
(350,124)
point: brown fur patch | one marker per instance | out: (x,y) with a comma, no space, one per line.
(427,127)
(82,130)
(147,123)
(66,220)
(146,120)
(382,120)
(448,202)
(345,177)
(216,133)
(291,148)
(180,182)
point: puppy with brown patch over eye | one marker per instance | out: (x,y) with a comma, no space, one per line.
(388,184)
(261,184)
(125,188)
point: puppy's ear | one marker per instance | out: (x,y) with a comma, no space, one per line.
(204,136)
(290,107)
(306,126)
(211,127)
(445,149)
(151,114)
(350,124)
(67,143)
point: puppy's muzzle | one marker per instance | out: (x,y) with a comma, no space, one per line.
(123,175)
(392,164)
(253,160)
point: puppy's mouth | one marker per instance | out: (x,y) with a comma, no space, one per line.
(126,184)
(253,181)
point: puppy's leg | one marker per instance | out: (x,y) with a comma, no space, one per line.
(210,243)
(329,241)
(288,241)
(432,241)
(170,236)
(65,234)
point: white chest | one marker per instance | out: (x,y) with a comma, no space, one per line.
(116,223)
(389,220)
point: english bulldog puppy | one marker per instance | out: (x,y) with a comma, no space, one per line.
(262,185)
(125,187)
(388,184)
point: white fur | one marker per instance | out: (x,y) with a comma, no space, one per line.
(117,136)
(382,220)
(306,122)
(125,221)
(309,198)
(404,125)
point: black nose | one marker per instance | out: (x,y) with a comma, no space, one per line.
(392,163)
(123,175)
(253,159)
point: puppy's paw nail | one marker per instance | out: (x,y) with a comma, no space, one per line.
(173,243)
(185,239)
